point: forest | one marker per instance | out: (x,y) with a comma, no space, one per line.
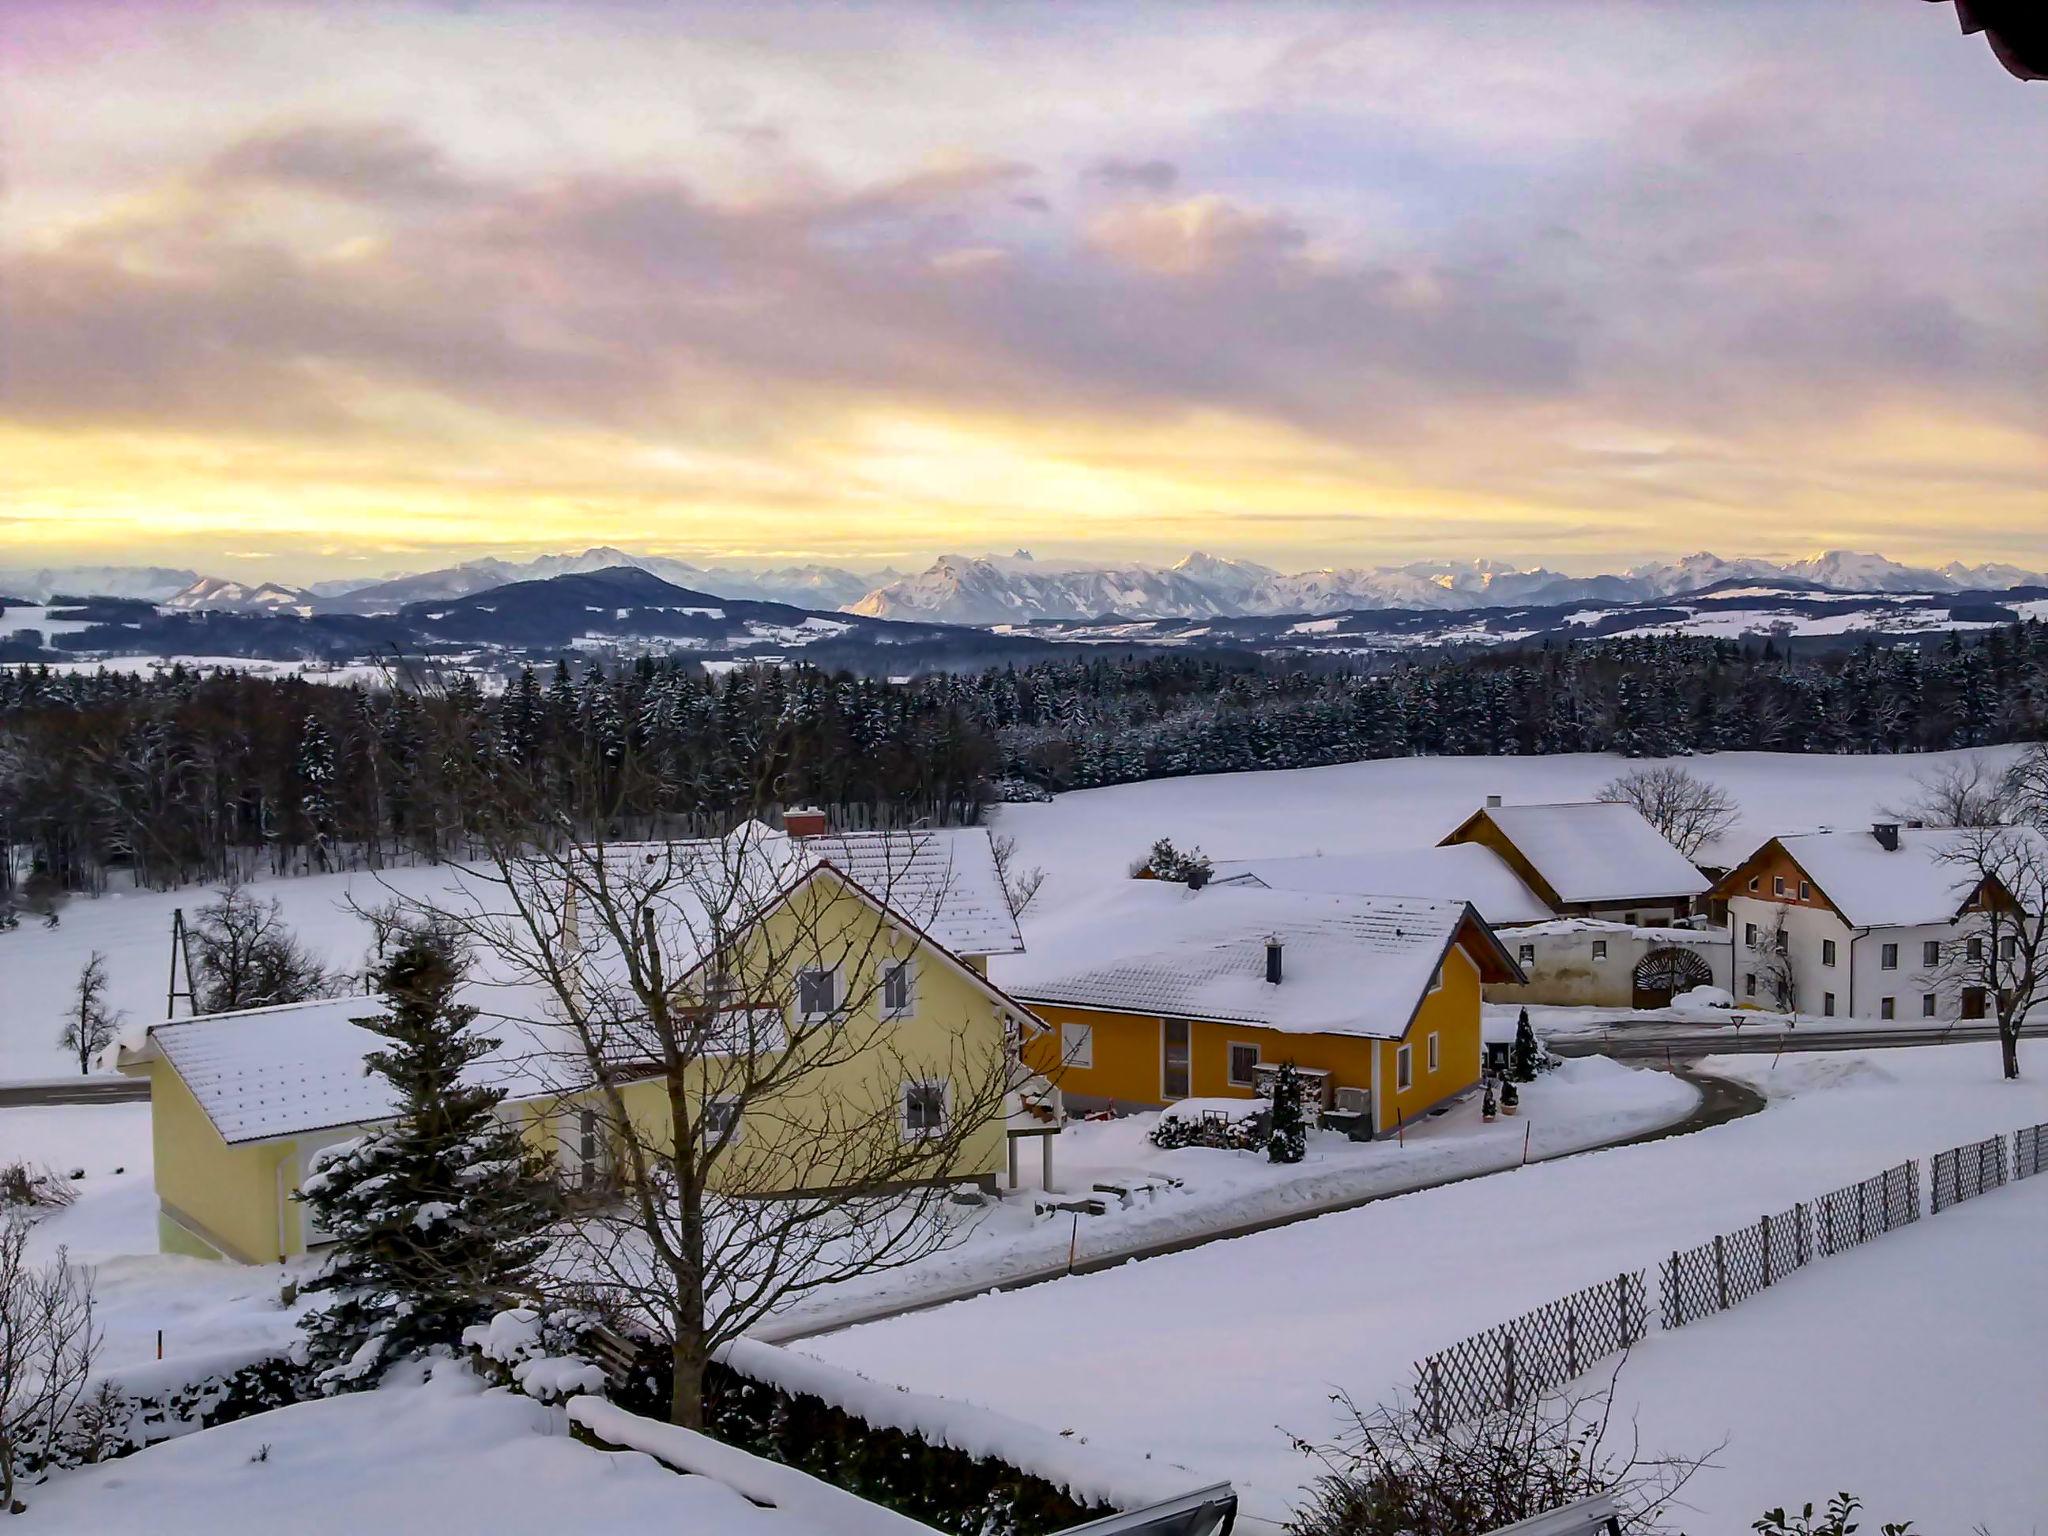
(178,776)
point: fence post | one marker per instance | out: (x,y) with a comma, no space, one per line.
(1721,1270)
(1436,1390)
(1628,1333)
(1508,1352)
(1765,1225)
(1571,1339)
(1827,1226)
(1863,1212)
(1802,1240)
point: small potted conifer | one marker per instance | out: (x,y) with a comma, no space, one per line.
(1489,1106)
(1510,1097)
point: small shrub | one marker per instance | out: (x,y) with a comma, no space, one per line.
(26,1186)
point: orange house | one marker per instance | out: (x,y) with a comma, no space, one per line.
(1156,993)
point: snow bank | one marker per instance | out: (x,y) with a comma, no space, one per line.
(1087,1474)
(765,1483)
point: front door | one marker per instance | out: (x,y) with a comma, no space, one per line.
(1173,1059)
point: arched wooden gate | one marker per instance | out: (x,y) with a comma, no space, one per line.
(1664,973)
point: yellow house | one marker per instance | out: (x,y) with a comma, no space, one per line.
(1156,993)
(241,1103)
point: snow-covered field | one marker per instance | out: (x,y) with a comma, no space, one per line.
(1213,1356)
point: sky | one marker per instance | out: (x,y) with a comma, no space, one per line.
(297,290)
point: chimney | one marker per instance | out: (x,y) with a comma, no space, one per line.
(1887,835)
(1493,802)
(1273,951)
(804,821)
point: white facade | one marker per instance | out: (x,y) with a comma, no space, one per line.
(1589,962)
(1837,969)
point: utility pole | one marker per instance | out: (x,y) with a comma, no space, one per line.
(181,949)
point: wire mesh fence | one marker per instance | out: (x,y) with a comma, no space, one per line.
(1526,1356)
(1963,1173)
(1733,1266)
(1856,1213)
(2030,1151)
(1512,1363)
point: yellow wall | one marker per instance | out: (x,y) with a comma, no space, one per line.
(1128,1050)
(229,1193)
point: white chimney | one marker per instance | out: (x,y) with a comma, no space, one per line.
(1493,802)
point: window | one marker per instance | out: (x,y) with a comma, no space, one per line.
(1805,891)
(1749,984)
(1749,934)
(1174,1056)
(924,1107)
(1404,1067)
(1436,977)
(899,996)
(1777,885)
(1630,918)
(1436,1055)
(1827,951)
(1755,881)
(1525,954)
(1888,957)
(1782,942)
(2008,947)
(1244,1065)
(721,1118)
(1976,948)
(1887,1008)
(817,993)
(1077,1046)
(1930,952)
(1827,1004)
(1599,949)
(1926,1005)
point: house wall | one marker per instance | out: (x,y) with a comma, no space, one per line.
(1857,978)
(214,1200)
(955,1033)
(1129,1053)
(1565,972)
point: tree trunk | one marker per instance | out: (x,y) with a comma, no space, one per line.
(2009,1044)
(686,1392)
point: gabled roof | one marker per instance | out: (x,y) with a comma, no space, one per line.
(1591,851)
(1451,872)
(1917,884)
(1351,965)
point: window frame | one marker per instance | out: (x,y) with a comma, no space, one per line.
(1071,1059)
(1930,952)
(1777,885)
(909,1085)
(906,967)
(731,1104)
(1888,957)
(1525,954)
(1599,949)
(1887,1007)
(1435,1054)
(1827,952)
(1230,1050)
(1929,1005)
(1827,1005)
(1404,1068)
(806,1015)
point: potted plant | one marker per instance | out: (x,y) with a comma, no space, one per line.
(1488,1106)
(1510,1097)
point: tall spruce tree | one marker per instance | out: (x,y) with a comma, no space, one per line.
(1287,1141)
(1523,1067)
(438,1217)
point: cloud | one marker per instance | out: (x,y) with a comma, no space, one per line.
(1136,175)
(365,162)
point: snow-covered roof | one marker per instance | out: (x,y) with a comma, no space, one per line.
(285,1071)
(1873,886)
(943,880)
(1454,872)
(1351,965)
(1595,850)
(1597,927)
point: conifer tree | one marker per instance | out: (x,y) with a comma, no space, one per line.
(1287,1141)
(1523,1068)
(437,1217)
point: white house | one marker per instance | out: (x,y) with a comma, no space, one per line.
(1591,858)
(1853,924)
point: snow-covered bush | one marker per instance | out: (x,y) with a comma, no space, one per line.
(1012,791)
(1163,861)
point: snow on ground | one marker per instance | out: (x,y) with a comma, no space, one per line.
(1409,802)
(1907,1371)
(1583,1103)
(446,1455)
(1212,1356)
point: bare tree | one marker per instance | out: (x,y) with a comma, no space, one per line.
(48,1339)
(1771,954)
(245,957)
(1997,959)
(1960,794)
(735,1032)
(89,1024)
(1020,886)
(1685,808)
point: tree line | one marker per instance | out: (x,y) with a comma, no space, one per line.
(180,776)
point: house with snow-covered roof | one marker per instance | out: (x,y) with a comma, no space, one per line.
(1858,923)
(1157,994)
(1592,858)
(241,1103)
(1468,872)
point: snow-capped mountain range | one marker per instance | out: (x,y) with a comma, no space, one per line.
(962,589)
(1018,589)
